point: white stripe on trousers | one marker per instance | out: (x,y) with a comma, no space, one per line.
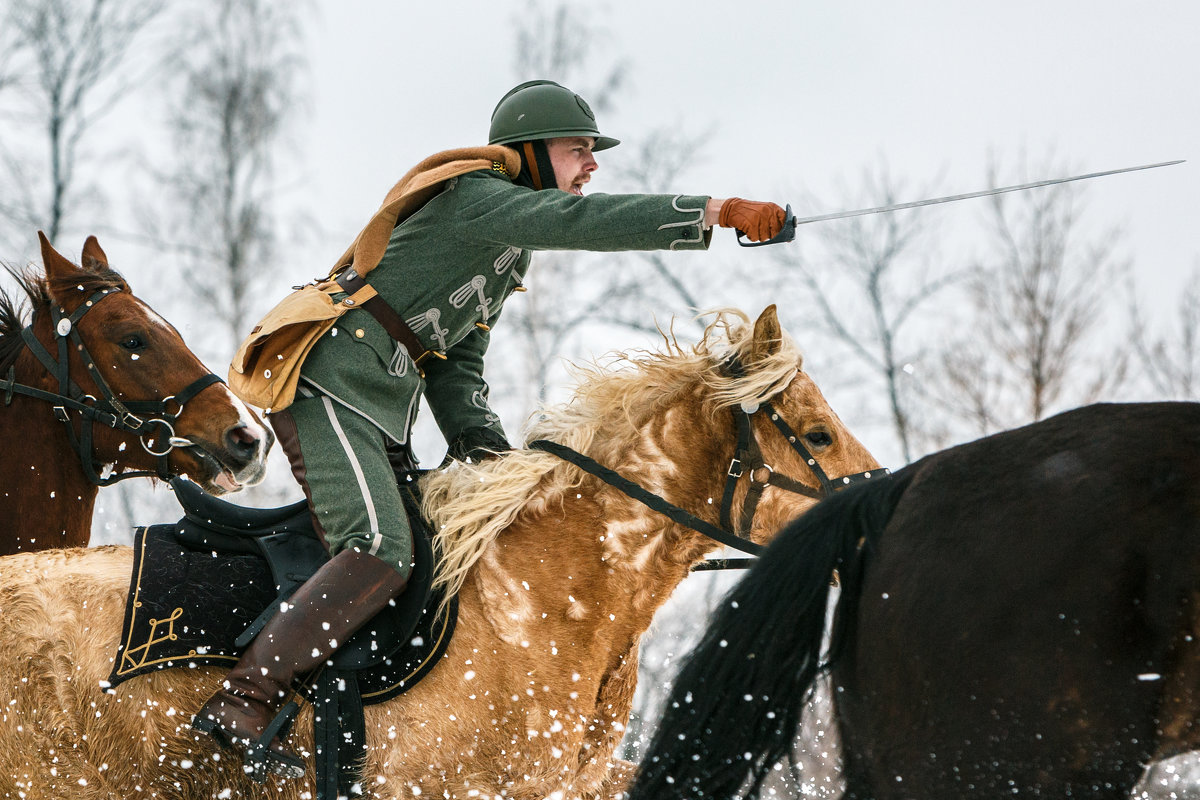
(363,488)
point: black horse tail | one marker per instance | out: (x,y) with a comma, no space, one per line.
(738,699)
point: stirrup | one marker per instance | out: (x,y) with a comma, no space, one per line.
(258,758)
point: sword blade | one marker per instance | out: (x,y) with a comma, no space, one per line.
(984,193)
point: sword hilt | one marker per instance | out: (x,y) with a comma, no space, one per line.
(786,234)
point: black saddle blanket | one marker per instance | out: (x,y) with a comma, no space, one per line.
(187,606)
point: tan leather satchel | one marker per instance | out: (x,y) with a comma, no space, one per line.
(266,368)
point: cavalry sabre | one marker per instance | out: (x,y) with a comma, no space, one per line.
(788,233)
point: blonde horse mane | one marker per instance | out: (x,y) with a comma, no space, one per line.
(470,504)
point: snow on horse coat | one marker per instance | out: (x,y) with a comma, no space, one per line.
(557,575)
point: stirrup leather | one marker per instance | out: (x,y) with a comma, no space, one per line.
(257,756)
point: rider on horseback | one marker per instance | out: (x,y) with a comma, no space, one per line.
(443,279)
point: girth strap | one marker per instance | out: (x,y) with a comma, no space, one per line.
(339,734)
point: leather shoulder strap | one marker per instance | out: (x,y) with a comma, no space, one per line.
(414,190)
(377,307)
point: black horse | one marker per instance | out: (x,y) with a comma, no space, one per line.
(1017,617)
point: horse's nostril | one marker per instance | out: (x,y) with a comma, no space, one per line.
(242,439)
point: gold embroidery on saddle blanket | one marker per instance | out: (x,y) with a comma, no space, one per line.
(182,611)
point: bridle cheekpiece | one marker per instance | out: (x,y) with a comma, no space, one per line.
(151,421)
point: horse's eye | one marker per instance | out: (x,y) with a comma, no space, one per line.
(133,343)
(819,438)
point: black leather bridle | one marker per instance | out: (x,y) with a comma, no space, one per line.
(747,461)
(152,421)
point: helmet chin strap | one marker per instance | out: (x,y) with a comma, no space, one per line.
(537,165)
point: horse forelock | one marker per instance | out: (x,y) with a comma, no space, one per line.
(614,398)
(38,291)
(90,279)
(764,377)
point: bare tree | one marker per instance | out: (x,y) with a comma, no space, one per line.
(1038,305)
(234,83)
(10,68)
(232,79)
(867,281)
(12,206)
(661,157)
(1171,363)
(71,58)
(554,42)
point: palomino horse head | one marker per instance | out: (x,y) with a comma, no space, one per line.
(807,458)
(99,363)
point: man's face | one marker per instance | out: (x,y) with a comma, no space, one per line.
(571,157)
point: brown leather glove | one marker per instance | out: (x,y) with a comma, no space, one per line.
(759,221)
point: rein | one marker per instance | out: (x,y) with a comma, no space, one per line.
(646,497)
(141,418)
(747,460)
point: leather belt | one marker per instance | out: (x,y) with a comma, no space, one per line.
(393,323)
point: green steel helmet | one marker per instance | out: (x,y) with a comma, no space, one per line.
(544,110)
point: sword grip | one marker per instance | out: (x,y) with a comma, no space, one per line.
(786,234)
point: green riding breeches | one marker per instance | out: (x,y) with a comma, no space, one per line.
(340,460)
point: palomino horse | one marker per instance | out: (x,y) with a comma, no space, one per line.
(98,388)
(1018,616)
(558,576)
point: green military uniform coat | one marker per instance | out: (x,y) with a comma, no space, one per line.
(447,270)
(452,265)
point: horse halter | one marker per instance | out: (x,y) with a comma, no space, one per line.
(141,418)
(747,460)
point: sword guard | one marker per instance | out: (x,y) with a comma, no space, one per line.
(786,234)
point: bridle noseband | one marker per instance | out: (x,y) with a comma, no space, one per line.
(747,460)
(144,419)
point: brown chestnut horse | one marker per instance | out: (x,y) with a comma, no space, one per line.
(1018,617)
(558,576)
(97,388)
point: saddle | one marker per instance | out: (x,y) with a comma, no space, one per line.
(203,587)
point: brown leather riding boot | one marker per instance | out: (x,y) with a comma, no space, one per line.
(319,617)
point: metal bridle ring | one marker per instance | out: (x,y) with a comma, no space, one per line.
(768,468)
(169,398)
(170,436)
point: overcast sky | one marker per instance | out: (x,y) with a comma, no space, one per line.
(800,96)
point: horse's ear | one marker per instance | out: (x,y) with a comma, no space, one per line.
(93,256)
(55,264)
(768,336)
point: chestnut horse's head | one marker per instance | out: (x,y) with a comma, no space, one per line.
(131,393)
